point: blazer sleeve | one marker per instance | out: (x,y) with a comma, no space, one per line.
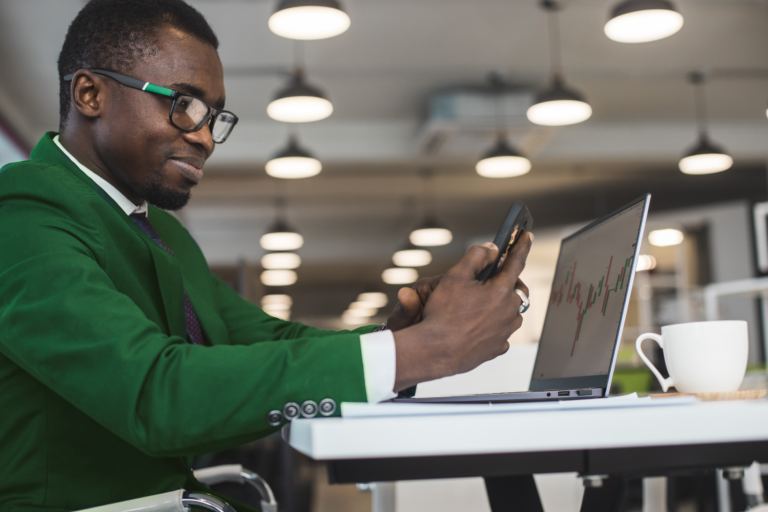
(63,321)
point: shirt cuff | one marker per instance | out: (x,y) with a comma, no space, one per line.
(378,349)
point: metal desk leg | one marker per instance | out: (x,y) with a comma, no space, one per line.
(513,494)
(383,496)
(606,498)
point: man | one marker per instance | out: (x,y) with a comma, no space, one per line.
(121,355)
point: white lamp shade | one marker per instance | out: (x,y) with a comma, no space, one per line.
(665,237)
(645,262)
(283,314)
(309,22)
(275,307)
(373,299)
(299,109)
(559,112)
(281,261)
(400,275)
(294,167)
(707,163)
(278,277)
(644,26)
(503,166)
(361,312)
(277,300)
(352,319)
(281,241)
(412,258)
(430,237)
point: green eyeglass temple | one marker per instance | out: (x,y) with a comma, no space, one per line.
(132,82)
(212,116)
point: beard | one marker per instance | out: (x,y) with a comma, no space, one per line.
(156,193)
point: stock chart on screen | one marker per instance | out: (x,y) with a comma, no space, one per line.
(584,312)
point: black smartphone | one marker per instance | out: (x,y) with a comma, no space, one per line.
(517,222)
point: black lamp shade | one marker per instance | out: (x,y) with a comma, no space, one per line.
(630,6)
(298,87)
(289,4)
(705,147)
(557,91)
(292,150)
(501,148)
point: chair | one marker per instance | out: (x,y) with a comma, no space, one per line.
(180,500)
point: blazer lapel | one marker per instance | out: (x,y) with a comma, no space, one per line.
(171,286)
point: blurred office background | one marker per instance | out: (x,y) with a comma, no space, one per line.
(420,91)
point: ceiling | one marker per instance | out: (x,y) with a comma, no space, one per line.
(380,76)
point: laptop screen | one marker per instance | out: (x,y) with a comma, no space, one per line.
(588,300)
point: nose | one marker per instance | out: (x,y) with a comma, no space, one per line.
(201,137)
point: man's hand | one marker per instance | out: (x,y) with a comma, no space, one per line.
(465,322)
(410,303)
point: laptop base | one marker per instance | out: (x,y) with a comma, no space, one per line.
(507,398)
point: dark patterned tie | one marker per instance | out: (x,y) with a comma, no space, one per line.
(193,325)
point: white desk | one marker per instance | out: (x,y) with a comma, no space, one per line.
(642,441)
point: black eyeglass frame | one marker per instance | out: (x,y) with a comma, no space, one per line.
(213,113)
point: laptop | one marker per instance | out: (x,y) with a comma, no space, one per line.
(585,314)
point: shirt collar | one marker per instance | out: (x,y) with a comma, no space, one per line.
(123,202)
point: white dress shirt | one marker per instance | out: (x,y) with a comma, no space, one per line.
(378,348)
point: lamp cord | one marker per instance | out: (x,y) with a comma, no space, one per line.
(499,113)
(429,199)
(555,57)
(298,54)
(701,108)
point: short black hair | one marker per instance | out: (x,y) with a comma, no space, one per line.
(114,34)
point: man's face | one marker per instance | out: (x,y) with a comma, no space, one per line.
(136,139)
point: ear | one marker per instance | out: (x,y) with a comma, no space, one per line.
(88,91)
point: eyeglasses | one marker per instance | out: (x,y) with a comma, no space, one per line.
(188,114)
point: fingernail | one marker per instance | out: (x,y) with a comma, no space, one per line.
(531,236)
(490,245)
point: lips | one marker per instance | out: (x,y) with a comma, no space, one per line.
(189,167)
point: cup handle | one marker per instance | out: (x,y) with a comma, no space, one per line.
(665,383)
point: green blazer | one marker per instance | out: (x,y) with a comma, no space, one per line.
(102,397)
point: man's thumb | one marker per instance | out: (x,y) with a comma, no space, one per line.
(409,301)
(477,258)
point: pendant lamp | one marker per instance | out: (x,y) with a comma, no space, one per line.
(430,233)
(558,105)
(640,21)
(373,299)
(280,236)
(281,261)
(412,256)
(400,275)
(278,277)
(704,157)
(299,102)
(277,305)
(666,237)
(309,19)
(293,162)
(502,161)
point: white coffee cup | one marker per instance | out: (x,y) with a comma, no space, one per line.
(701,357)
